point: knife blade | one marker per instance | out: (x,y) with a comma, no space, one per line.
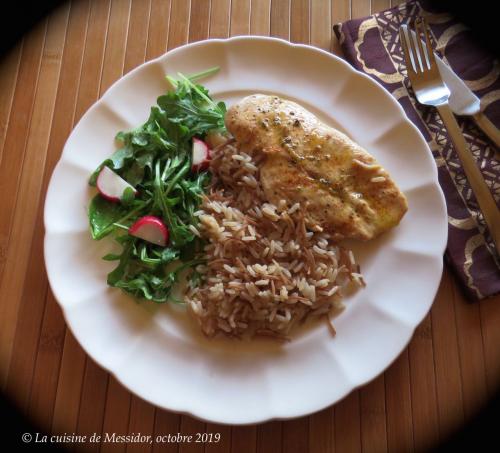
(462,100)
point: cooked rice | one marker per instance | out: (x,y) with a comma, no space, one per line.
(268,269)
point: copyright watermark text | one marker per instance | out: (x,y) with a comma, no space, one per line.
(138,438)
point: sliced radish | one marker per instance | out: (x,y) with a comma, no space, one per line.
(151,229)
(201,155)
(110,185)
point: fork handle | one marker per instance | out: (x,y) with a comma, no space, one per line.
(488,128)
(483,195)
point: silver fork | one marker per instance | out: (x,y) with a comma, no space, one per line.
(430,89)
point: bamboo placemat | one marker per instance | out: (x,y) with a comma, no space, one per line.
(450,368)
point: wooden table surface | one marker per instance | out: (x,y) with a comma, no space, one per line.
(450,368)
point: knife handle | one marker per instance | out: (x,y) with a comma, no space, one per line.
(483,195)
(488,128)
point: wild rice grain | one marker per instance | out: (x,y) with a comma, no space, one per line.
(333,291)
(250,166)
(318,250)
(250,180)
(351,258)
(322,283)
(230,269)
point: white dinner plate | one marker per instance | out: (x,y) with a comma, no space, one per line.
(157,351)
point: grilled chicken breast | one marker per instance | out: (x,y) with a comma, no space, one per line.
(343,187)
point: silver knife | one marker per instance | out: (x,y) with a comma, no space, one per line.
(463,101)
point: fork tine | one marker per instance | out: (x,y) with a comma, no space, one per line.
(416,54)
(406,51)
(422,54)
(430,52)
(415,58)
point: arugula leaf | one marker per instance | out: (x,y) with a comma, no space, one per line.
(128,197)
(118,273)
(111,257)
(155,158)
(103,213)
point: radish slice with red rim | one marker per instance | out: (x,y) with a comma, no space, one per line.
(112,186)
(150,229)
(200,155)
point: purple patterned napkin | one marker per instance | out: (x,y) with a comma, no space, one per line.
(372,46)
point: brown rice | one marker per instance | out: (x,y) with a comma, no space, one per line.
(268,269)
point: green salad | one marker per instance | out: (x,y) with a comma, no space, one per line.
(150,188)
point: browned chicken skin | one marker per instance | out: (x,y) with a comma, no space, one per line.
(346,191)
